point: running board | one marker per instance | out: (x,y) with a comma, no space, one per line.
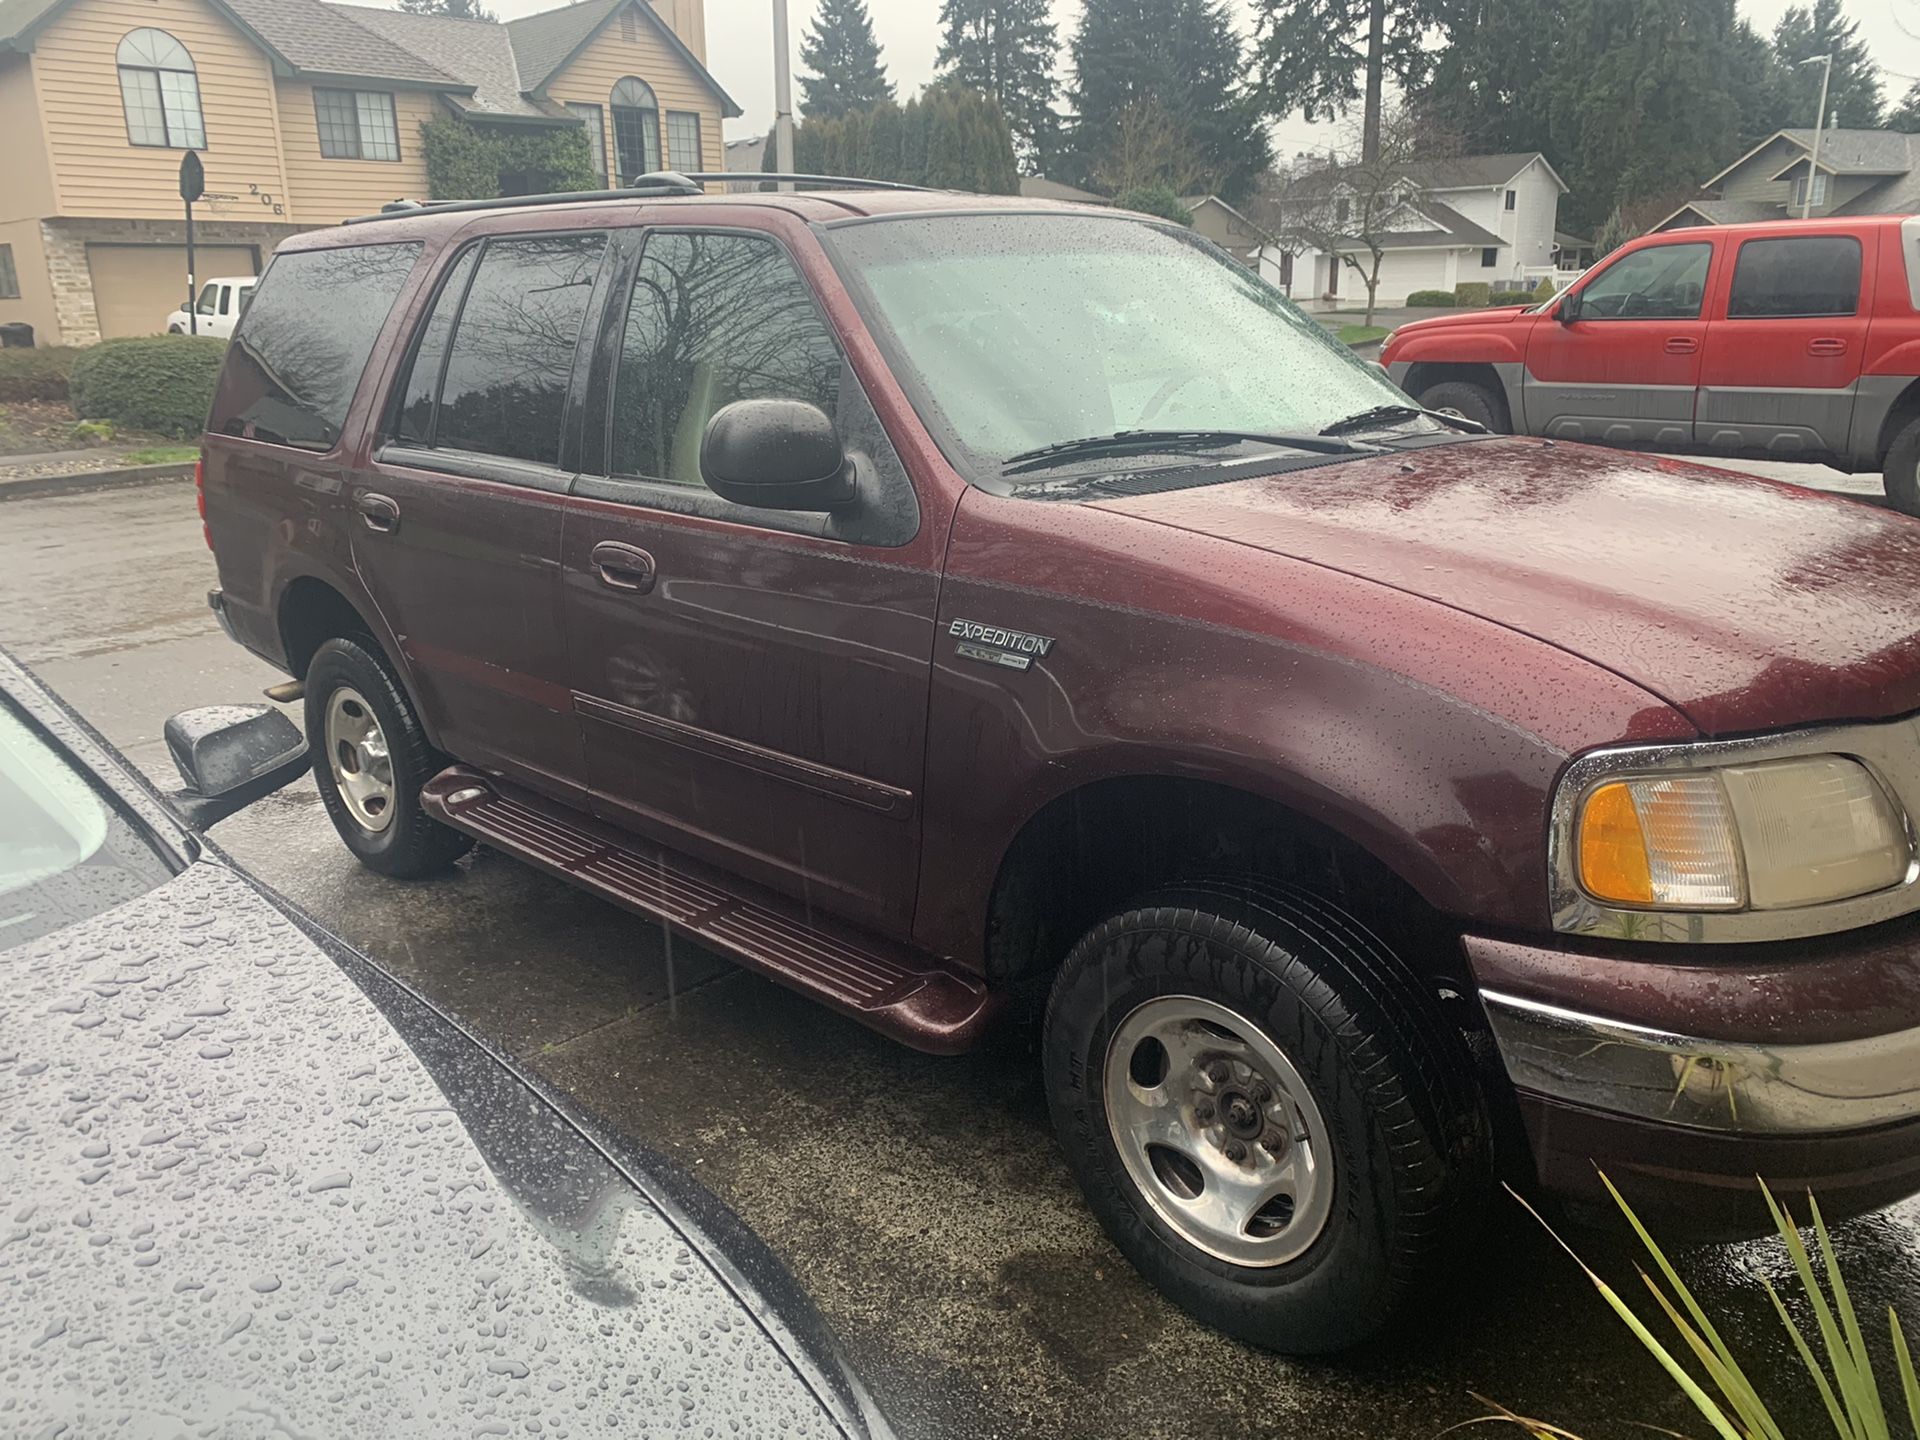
(881,984)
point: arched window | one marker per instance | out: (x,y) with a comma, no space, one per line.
(636,129)
(160,92)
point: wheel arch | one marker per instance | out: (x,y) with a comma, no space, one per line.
(1904,410)
(311,610)
(1422,375)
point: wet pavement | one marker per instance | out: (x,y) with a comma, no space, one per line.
(921,1200)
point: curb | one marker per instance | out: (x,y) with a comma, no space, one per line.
(38,485)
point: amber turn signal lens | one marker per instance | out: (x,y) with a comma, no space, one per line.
(1613,848)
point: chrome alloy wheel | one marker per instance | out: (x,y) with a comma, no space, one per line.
(357,753)
(1218,1131)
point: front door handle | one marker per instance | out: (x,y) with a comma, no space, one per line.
(623,567)
(1682,345)
(1826,345)
(381,512)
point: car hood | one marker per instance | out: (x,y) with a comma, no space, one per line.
(254,1186)
(1744,603)
(1504,315)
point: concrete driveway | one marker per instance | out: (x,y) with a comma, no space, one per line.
(920,1199)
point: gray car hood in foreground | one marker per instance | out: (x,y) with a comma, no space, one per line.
(249,1186)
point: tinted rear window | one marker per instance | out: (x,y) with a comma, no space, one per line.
(297,356)
(1803,275)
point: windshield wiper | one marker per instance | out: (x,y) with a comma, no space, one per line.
(1171,442)
(1381,415)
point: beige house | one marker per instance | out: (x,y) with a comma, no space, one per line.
(1860,172)
(303,112)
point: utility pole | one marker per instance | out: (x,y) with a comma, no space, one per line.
(783,94)
(1819,120)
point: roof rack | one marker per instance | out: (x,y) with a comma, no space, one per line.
(645,187)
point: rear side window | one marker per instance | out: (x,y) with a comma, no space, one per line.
(297,356)
(1796,275)
(491,371)
(714,319)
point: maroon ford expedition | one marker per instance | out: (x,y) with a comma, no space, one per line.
(924,599)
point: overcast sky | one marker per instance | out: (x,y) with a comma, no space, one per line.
(740,48)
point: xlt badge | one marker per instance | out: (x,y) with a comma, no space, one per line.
(993,645)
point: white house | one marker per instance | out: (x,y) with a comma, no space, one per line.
(1479,217)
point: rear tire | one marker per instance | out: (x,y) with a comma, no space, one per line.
(1221,977)
(1469,398)
(370,758)
(1901,472)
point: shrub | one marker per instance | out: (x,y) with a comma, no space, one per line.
(36,374)
(1440,299)
(91,432)
(1472,292)
(1544,291)
(162,383)
(1154,200)
(1512,297)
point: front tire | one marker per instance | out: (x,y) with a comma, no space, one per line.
(370,758)
(1901,472)
(1266,1111)
(1464,397)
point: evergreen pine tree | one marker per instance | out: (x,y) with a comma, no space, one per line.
(454,9)
(1906,115)
(844,58)
(1181,60)
(1005,49)
(1854,92)
(1319,56)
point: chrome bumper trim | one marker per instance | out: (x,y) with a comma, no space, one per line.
(1707,1084)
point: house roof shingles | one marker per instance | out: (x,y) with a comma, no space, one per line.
(320,39)
(477,50)
(543,42)
(1467,172)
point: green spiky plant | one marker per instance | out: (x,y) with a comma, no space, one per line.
(1846,1381)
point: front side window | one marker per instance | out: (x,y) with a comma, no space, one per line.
(299,351)
(502,386)
(636,129)
(683,141)
(209,295)
(160,92)
(1799,275)
(1662,282)
(589,116)
(356,124)
(713,319)
(65,852)
(1021,331)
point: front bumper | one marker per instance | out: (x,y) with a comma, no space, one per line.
(1687,1074)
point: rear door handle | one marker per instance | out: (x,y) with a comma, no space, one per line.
(1682,345)
(1826,345)
(381,512)
(623,567)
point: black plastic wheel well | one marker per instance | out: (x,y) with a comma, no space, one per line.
(1087,854)
(311,613)
(1905,410)
(1423,374)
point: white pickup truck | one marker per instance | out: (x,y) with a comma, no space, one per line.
(222,301)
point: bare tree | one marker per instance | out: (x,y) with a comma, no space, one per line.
(1351,207)
(1148,148)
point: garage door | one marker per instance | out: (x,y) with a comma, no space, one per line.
(135,287)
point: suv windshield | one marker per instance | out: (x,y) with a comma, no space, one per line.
(1021,331)
(65,853)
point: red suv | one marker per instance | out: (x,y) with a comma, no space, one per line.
(1789,340)
(900,593)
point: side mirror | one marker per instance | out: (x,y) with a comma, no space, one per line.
(1569,310)
(230,756)
(776,455)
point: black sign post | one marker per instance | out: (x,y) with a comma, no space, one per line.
(193,184)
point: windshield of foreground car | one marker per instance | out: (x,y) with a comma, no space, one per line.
(1018,331)
(65,853)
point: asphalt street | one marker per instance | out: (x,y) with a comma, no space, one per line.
(920,1199)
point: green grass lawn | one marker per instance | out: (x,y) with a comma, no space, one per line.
(161,455)
(1360,334)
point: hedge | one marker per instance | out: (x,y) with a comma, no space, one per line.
(1161,200)
(1472,292)
(162,383)
(39,373)
(1512,297)
(1441,299)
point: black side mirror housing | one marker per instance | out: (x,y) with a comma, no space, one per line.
(230,756)
(776,455)
(1569,310)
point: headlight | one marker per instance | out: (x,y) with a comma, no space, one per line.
(1765,836)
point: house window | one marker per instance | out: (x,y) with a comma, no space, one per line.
(9,277)
(1819,189)
(596,135)
(159,92)
(636,129)
(683,141)
(356,124)
(1513,197)
(1489,257)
